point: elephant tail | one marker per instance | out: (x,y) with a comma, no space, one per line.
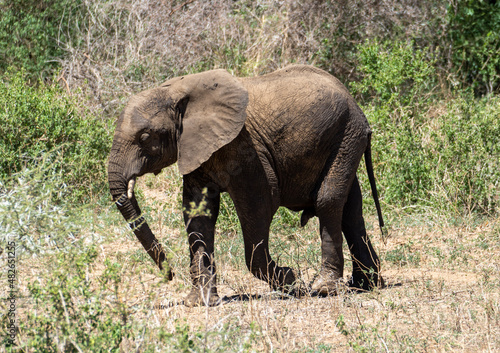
(371,178)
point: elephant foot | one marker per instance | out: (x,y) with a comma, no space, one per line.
(284,280)
(326,284)
(366,282)
(202,297)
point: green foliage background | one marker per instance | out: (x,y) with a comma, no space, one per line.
(475,40)
(429,151)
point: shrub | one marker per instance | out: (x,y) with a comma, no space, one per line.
(444,157)
(32,214)
(463,152)
(428,154)
(395,78)
(37,120)
(33,34)
(474,30)
(393,71)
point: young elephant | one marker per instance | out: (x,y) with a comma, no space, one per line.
(291,138)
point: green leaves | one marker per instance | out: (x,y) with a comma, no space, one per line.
(74,311)
(393,71)
(38,120)
(33,34)
(429,150)
(475,40)
(440,156)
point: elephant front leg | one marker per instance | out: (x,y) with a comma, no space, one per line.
(200,227)
(202,271)
(255,229)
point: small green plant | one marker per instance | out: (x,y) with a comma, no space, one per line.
(321,348)
(200,209)
(70,312)
(341,325)
(403,255)
(182,339)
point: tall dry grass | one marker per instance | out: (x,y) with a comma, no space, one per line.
(129,45)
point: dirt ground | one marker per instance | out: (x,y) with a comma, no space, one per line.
(448,300)
(442,291)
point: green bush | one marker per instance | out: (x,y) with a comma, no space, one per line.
(444,157)
(34,32)
(428,153)
(464,154)
(395,79)
(474,30)
(31,212)
(393,72)
(38,120)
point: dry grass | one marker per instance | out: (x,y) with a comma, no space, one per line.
(442,289)
(130,45)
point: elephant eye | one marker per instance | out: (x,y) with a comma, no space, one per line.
(144,137)
(149,143)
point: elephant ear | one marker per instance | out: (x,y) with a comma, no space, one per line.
(212,107)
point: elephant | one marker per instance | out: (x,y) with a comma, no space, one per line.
(291,138)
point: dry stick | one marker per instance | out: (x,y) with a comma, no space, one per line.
(285,34)
(65,82)
(175,9)
(63,302)
(75,345)
(385,345)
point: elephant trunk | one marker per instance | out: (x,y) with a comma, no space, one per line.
(129,208)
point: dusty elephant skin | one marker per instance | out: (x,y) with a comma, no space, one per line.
(291,138)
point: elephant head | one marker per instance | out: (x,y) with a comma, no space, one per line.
(186,120)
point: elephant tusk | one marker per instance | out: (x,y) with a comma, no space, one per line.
(130,191)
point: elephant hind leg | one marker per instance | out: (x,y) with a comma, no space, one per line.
(331,197)
(366,264)
(256,206)
(332,258)
(255,226)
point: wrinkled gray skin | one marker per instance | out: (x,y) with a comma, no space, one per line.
(291,138)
